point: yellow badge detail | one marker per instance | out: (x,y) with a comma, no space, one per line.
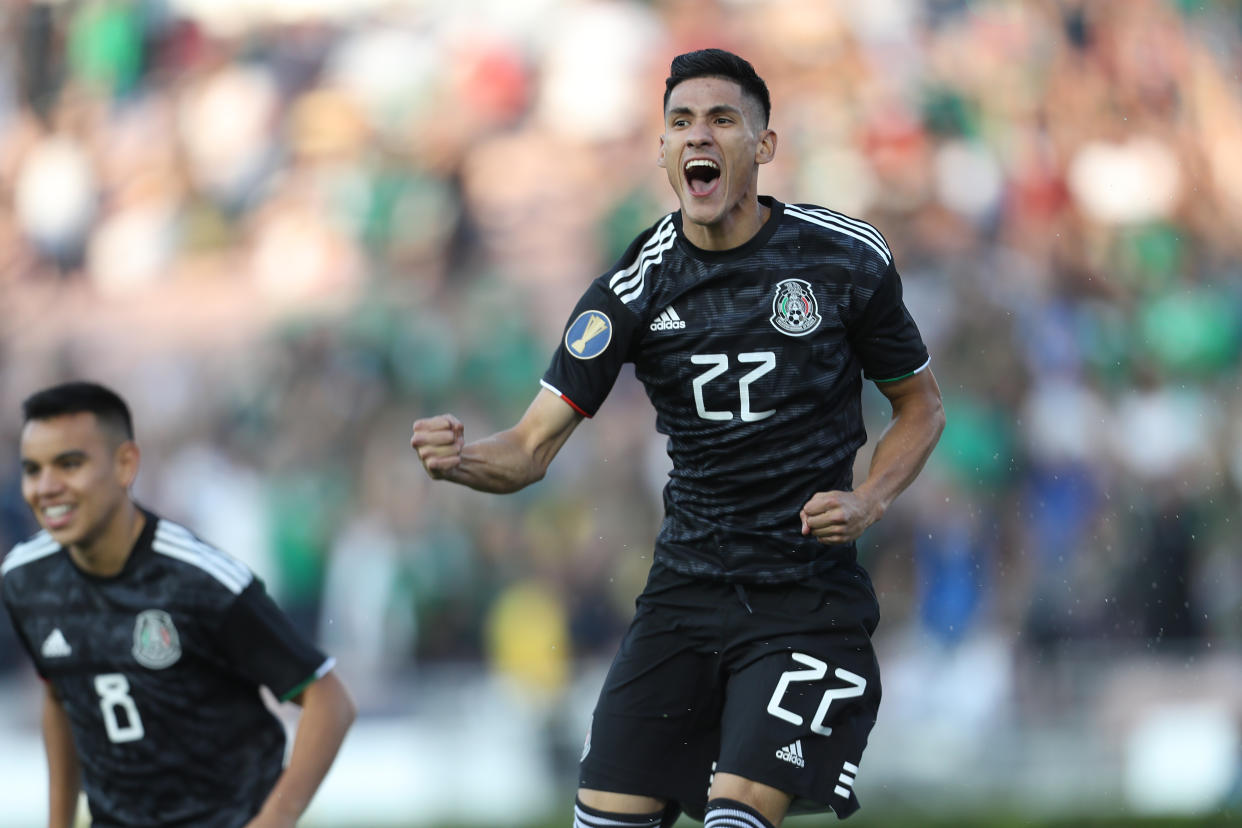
(589,335)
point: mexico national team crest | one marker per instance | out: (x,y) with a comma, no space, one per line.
(589,335)
(156,643)
(794,309)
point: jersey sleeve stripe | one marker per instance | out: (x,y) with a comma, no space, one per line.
(629,283)
(188,540)
(632,280)
(183,546)
(626,277)
(833,222)
(567,400)
(40,546)
(630,295)
(664,230)
(231,567)
(842,219)
(918,370)
(322,671)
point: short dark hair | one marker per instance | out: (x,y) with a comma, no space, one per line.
(77,397)
(717,63)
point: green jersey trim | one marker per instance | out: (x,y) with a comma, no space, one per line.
(318,674)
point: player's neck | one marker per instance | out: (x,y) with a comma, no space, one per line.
(106,554)
(741,225)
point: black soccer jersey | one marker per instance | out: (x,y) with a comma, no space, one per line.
(754,359)
(158,669)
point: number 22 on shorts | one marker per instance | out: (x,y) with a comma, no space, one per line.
(815,671)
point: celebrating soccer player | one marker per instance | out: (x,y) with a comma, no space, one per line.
(747,684)
(153,644)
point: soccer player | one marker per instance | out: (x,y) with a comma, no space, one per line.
(152,644)
(746,685)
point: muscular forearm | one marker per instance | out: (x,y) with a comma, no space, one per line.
(499,464)
(835,517)
(505,462)
(63,770)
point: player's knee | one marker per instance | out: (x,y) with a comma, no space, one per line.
(769,802)
(730,813)
(607,816)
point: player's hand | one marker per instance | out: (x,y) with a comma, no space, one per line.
(837,517)
(438,441)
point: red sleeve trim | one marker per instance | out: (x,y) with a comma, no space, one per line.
(567,400)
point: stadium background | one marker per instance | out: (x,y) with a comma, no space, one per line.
(286,229)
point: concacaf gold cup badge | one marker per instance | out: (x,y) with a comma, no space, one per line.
(589,335)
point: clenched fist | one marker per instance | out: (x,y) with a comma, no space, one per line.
(438,441)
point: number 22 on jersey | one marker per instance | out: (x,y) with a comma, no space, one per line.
(719,364)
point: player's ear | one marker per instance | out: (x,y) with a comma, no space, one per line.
(766,150)
(128,458)
(660,157)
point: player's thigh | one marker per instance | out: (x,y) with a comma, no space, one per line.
(618,803)
(655,728)
(772,802)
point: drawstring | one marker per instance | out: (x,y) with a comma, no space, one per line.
(741,596)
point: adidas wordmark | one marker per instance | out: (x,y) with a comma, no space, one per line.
(668,321)
(792,754)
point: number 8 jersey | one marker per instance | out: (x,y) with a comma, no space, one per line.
(754,359)
(158,669)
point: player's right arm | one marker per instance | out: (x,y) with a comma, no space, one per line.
(504,462)
(63,770)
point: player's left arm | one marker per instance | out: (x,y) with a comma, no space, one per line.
(836,517)
(328,711)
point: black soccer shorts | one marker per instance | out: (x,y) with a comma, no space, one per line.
(775,683)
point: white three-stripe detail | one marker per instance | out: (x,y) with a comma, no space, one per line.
(628,284)
(846,779)
(844,220)
(40,546)
(178,542)
(862,231)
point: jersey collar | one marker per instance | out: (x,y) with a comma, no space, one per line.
(741,251)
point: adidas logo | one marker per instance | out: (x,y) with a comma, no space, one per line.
(792,754)
(668,321)
(55,645)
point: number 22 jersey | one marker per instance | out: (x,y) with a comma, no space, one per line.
(753,359)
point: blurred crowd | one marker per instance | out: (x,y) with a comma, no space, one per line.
(286,234)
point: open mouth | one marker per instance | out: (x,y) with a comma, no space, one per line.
(702,175)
